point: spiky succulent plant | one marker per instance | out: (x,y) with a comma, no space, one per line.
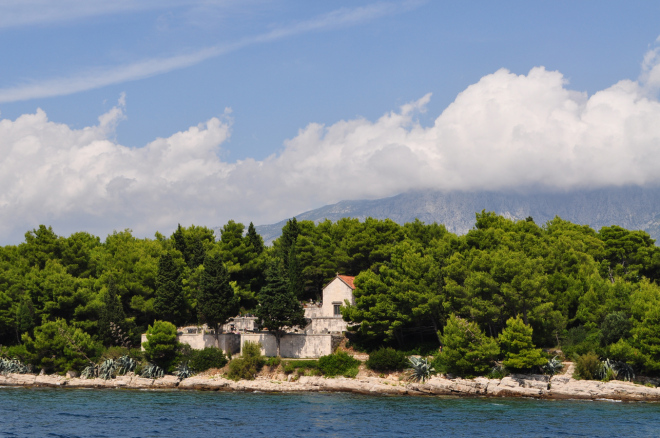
(553,366)
(183,371)
(152,371)
(420,369)
(125,365)
(14,366)
(616,369)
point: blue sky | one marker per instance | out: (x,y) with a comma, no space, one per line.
(251,99)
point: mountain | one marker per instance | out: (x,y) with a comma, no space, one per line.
(635,208)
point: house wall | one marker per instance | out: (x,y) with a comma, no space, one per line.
(327,325)
(335,292)
(241,324)
(293,345)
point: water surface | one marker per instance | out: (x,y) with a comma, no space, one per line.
(60,412)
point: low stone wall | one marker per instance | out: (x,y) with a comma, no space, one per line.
(293,345)
(227,342)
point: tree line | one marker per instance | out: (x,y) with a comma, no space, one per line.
(418,286)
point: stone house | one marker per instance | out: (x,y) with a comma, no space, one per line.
(327,318)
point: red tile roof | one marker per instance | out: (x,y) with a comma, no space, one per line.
(348,280)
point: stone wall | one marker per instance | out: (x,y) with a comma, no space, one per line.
(241,324)
(227,342)
(294,345)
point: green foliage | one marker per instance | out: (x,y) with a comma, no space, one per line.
(209,357)
(387,359)
(169,301)
(338,364)
(290,366)
(273,361)
(58,347)
(216,302)
(587,366)
(278,307)
(615,326)
(249,364)
(161,345)
(518,348)
(112,318)
(420,369)
(466,350)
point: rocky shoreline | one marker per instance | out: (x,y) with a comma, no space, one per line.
(530,386)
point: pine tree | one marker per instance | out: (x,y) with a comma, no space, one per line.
(290,233)
(24,316)
(180,241)
(254,239)
(169,302)
(278,307)
(112,315)
(295,274)
(517,346)
(216,302)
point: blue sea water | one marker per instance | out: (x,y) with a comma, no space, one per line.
(48,412)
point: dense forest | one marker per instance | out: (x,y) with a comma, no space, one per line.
(482,295)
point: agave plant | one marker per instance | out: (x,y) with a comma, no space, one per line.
(183,372)
(91,371)
(615,369)
(125,365)
(152,371)
(420,369)
(107,369)
(14,366)
(553,366)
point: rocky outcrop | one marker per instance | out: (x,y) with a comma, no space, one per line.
(536,386)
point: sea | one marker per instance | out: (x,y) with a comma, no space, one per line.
(61,412)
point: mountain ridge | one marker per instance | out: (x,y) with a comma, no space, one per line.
(632,207)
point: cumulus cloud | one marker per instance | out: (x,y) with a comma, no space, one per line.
(506,132)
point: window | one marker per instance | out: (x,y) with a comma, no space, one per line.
(337,312)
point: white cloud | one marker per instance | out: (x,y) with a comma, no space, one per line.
(505,132)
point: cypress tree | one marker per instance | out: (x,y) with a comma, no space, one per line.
(169,302)
(112,314)
(295,274)
(254,239)
(216,302)
(278,307)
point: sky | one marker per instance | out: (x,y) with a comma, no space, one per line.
(146,114)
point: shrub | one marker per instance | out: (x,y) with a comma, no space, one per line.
(273,361)
(59,347)
(249,364)
(466,351)
(301,366)
(387,359)
(587,366)
(615,326)
(339,363)
(161,345)
(209,357)
(518,348)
